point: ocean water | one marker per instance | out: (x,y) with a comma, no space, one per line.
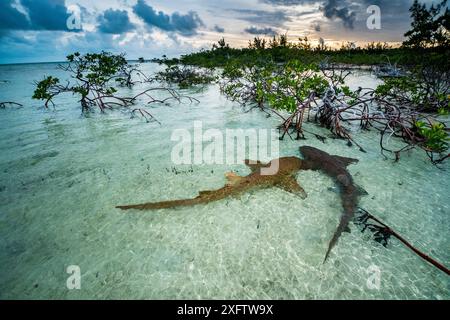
(62,174)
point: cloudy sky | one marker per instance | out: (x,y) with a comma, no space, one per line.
(47,30)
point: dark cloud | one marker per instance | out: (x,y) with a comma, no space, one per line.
(151,17)
(261,31)
(338,9)
(289,2)
(11,18)
(47,14)
(42,15)
(274,18)
(219,29)
(186,24)
(389,8)
(332,9)
(395,15)
(114,22)
(350,11)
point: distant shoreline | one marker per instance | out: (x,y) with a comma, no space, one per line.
(54,62)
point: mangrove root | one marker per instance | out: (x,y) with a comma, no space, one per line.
(4,104)
(383,232)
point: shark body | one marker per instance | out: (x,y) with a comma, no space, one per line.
(336,168)
(283,178)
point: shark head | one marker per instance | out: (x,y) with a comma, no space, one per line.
(311,153)
(313,157)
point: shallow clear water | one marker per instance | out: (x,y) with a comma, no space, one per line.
(61,175)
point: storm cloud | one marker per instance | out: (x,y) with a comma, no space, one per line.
(11,18)
(289,2)
(115,22)
(338,9)
(274,18)
(261,31)
(42,15)
(219,29)
(348,11)
(185,24)
(47,14)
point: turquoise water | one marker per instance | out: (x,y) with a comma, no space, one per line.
(62,174)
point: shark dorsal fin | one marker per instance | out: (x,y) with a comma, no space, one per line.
(254,165)
(291,185)
(232,178)
(346,161)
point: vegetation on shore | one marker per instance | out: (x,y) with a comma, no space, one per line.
(372,54)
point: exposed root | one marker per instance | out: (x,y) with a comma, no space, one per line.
(383,232)
(4,104)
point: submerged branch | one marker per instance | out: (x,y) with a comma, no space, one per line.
(388,231)
(5,103)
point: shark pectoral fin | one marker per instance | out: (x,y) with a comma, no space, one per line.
(361,191)
(291,185)
(346,161)
(232,178)
(254,165)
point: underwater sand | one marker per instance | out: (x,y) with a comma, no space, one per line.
(62,174)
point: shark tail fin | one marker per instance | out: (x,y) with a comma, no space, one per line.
(326,256)
(330,246)
(343,226)
(162,205)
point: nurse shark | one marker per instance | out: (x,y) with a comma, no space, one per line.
(336,168)
(277,173)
